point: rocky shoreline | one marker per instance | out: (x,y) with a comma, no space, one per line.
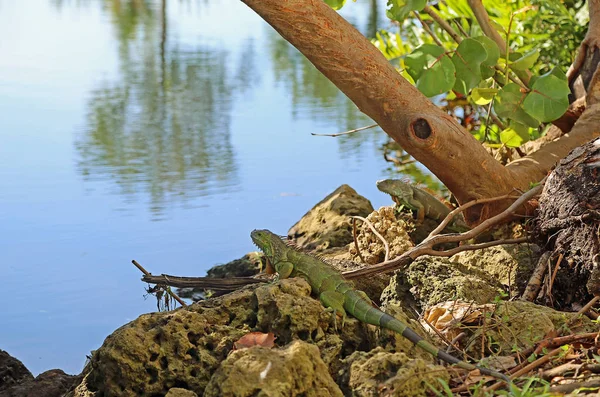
(192,351)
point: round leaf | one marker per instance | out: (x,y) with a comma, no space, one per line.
(515,135)
(508,104)
(526,61)
(483,96)
(493,54)
(548,99)
(431,68)
(399,9)
(335,4)
(467,60)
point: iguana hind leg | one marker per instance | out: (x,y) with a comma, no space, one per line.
(334,302)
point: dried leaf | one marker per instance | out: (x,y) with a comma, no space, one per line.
(255,339)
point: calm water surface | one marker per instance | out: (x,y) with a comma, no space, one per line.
(158,131)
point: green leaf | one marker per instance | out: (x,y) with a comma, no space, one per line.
(483,96)
(399,9)
(467,60)
(526,61)
(508,104)
(493,54)
(335,4)
(548,99)
(431,68)
(515,135)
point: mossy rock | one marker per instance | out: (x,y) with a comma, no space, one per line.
(327,224)
(379,372)
(295,370)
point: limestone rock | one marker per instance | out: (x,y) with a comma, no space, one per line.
(510,264)
(183,348)
(52,383)
(296,370)
(248,265)
(327,224)
(394,231)
(436,279)
(379,372)
(179,392)
(12,371)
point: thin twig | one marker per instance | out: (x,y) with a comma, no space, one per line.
(426,245)
(396,161)
(473,247)
(584,309)
(428,30)
(354,235)
(464,207)
(443,24)
(385,243)
(558,261)
(536,364)
(346,132)
(146,273)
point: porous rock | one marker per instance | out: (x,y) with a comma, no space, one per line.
(394,231)
(510,264)
(296,370)
(379,372)
(183,348)
(12,371)
(431,280)
(52,383)
(327,224)
(179,392)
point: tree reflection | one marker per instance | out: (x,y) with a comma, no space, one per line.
(164,126)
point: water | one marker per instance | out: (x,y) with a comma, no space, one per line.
(165,135)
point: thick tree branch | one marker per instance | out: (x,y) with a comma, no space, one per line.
(359,70)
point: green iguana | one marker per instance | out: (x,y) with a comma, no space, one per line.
(415,199)
(338,295)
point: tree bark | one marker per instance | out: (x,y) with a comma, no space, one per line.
(431,136)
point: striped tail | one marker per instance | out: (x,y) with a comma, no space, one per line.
(362,310)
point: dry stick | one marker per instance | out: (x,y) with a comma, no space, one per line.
(465,206)
(346,132)
(428,30)
(472,247)
(385,243)
(552,342)
(425,247)
(396,161)
(560,257)
(146,273)
(571,387)
(537,363)
(584,309)
(535,281)
(443,24)
(356,240)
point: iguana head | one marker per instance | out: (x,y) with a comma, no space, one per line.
(271,244)
(400,191)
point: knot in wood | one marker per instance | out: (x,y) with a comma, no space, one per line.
(421,128)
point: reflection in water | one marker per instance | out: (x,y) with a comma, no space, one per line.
(164,126)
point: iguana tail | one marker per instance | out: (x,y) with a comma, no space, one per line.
(363,310)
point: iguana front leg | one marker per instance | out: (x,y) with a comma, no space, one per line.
(284,269)
(416,205)
(334,301)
